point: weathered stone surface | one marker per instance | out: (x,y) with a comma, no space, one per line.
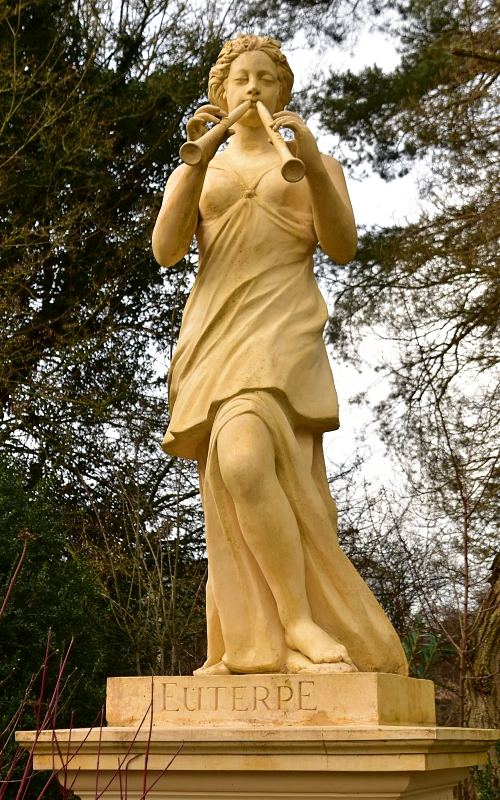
(343,699)
(303,763)
(251,390)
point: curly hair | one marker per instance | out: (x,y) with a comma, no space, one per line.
(230,52)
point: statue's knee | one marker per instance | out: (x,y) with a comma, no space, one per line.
(246,457)
(242,473)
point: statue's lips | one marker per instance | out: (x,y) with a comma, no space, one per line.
(252,110)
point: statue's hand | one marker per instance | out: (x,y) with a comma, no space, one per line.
(197,126)
(306,146)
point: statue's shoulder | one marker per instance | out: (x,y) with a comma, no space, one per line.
(334,168)
(330,161)
(336,173)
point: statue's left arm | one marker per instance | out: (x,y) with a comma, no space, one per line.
(332,211)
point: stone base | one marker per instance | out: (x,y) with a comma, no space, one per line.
(303,763)
(256,737)
(359,698)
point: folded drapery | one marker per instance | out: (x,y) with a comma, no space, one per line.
(255,316)
(251,342)
(244,628)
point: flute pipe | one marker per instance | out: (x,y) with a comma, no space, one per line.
(238,112)
(192,152)
(292,169)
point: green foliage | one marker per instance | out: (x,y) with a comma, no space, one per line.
(91,114)
(93,97)
(486,779)
(428,293)
(53,592)
(423,650)
(283,19)
(147,553)
(55,606)
(443,109)
(374,112)
(424,105)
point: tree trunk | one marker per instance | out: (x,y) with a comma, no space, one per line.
(483,679)
(482,685)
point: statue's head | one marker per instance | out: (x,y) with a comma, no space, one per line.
(244,44)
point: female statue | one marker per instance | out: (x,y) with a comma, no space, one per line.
(251,390)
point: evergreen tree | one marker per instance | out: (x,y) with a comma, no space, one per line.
(431,287)
(93,100)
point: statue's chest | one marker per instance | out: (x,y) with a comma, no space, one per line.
(224,188)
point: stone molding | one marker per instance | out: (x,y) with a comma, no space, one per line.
(303,763)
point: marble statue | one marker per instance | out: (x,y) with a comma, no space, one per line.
(251,391)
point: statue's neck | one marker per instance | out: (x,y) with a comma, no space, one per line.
(247,140)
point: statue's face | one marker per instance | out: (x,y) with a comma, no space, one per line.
(252,76)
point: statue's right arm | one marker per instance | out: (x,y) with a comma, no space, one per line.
(178,217)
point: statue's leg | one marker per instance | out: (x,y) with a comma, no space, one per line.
(247,460)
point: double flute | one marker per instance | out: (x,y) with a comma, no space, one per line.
(292,169)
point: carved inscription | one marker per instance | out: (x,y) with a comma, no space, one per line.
(305,696)
(285,697)
(216,698)
(260,695)
(239,699)
(192,698)
(285,694)
(169,704)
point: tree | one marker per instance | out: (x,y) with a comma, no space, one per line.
(483,685)
(148,556)
(483,694)
(429,290)
(91,106)
(442,107)
(92,101)
(54,593)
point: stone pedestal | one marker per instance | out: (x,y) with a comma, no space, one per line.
(356,698)
(326,736)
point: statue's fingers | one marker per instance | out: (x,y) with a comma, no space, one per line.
(195,129)
(194,124)
(228,133)
(284,122)
(281,123)
(210,109)
(287,114)
(205,117)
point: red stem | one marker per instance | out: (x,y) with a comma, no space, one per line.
(14,578)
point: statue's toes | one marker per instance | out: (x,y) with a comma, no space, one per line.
(297,663)
(215,669)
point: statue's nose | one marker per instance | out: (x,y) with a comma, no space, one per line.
(253,91)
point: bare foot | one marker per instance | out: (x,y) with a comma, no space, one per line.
(215,669)
(311,640)
(297,663)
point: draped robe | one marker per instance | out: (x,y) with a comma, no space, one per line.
(251,342)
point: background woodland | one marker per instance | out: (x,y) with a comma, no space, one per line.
(94,96)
